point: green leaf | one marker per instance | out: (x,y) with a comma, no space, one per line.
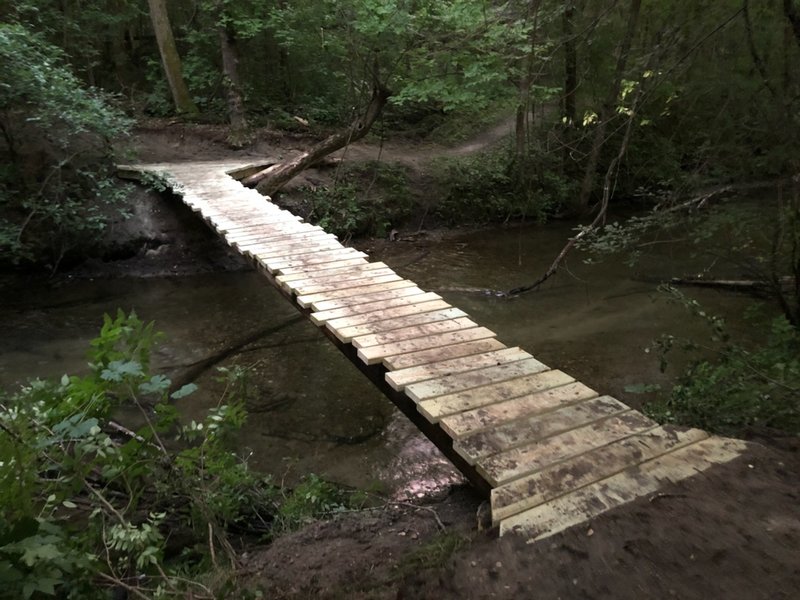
(118,370)
(157,385)
(642,388)
(187,389)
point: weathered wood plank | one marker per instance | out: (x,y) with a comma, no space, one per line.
(388,313)
(373,296)
(450,384)
(515,433)
(341,271)
(323,316)
(399,379)
(413,359)
(375,354)
(257,238)
(283,228)
(512,464)
(344,276)
(438,408)
(574,473)
(312,299)
(374,278)
(294,233)
(472,421)
(413,331)
(349,262)
(346,334)
(597,498)
(279,266)
(267,252)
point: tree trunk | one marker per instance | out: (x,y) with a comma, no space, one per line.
(570,65)
(607,110)
(170,58)
(233,85)
(792,13)
(276,176)
(524,94)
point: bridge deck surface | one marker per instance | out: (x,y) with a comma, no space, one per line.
(550,451)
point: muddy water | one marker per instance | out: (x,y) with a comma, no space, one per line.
(310,409)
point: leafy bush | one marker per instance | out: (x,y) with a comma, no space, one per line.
(740,387)
(367,199)
(87,505)
(57,177)
(491,187)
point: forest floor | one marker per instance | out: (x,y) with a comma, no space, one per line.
(732,532)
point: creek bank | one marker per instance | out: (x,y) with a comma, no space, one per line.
(732,532)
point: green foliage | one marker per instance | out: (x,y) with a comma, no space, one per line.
(57,180)
(367,199)
(82,503)
(87,505)
(488,187)
(741,386)
(312,499)
(432,555)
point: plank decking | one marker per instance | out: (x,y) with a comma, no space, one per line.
(548,450)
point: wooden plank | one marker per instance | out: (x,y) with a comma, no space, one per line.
(252,218)
(388,313)
(597,498)
(345,276)
(450,384)
(374,296)
(285,228)
(275,237)
(321,257)
(413,359)
(293,251)
(374,277)
(577,472)
(277,266)
(413,331)
(349,262)
(515,433)
(399,379)
(346,334)
(341,271)
(375,354)
(289,230)
(225,226)
(311,299)
(266,252)
(512,464)
(438,408)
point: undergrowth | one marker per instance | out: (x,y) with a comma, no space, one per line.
(733,387)
(365,199)
(89,508)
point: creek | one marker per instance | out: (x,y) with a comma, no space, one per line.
(310,409)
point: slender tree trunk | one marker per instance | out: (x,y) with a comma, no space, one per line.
(170,58)
(792,12)
(607,110)
(524,94)
(274,177)
(570,65)
(230,66)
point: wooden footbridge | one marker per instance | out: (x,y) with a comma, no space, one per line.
(548,450)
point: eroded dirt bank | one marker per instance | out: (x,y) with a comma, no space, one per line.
(732,532)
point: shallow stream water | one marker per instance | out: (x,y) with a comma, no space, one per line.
(310,409)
